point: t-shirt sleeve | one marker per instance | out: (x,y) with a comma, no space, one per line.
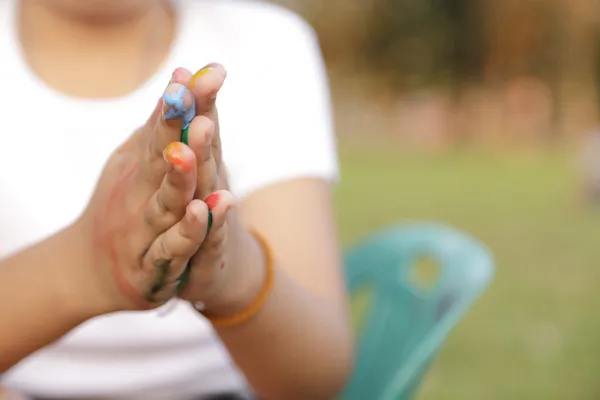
(286,130)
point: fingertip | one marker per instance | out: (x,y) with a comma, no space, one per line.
(201,132)
(180,156)
(201,72)
(181,75)
(229,200)
(178,103)
(198,210)
(209,78)
(219,68)
(227,196)
(221,200)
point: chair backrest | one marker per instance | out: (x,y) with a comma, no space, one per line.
(400,322)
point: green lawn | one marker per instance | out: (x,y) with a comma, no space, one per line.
(536,333)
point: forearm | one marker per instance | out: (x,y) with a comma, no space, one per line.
(298,346)
(39,299)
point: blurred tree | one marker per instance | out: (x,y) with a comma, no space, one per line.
(407,43)
(524,39)
(408,40)
(467,31)
(578,22)
(341,25)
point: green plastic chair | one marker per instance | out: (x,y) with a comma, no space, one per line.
(401,322)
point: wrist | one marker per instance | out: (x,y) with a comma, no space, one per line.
(82,288)
(243,279)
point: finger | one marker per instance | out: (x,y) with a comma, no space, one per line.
(206,264)
(151,122)
(220,203)
(168,204)
(200,135)
(182,76)
(140,134)
(177,111)
(205,85)
(169,254)
(210,258)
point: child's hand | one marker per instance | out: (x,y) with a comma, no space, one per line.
(142,222)
(218,278)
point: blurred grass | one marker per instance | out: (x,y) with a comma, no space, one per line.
(536,333)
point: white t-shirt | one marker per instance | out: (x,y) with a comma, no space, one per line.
(276,126)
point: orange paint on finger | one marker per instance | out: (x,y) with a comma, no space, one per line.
(174,154)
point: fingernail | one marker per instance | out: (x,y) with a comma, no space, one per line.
(197,208)
(212,201)
(173,154)
(200,73)
(178,102)
(174,75)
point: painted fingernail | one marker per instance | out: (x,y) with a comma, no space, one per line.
(212,201)
(173,154)
(178,102)
(200,73)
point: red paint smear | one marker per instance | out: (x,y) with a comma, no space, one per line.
(212,201)
(115,198)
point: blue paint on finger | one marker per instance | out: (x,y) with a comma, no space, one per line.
(181,105)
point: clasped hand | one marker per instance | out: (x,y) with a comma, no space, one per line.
(161,204)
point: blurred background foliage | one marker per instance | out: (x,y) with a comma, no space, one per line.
(538,55)
(475,113)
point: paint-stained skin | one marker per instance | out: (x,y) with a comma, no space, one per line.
(175,155)
(179,103)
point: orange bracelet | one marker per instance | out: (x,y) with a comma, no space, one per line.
(256,305)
